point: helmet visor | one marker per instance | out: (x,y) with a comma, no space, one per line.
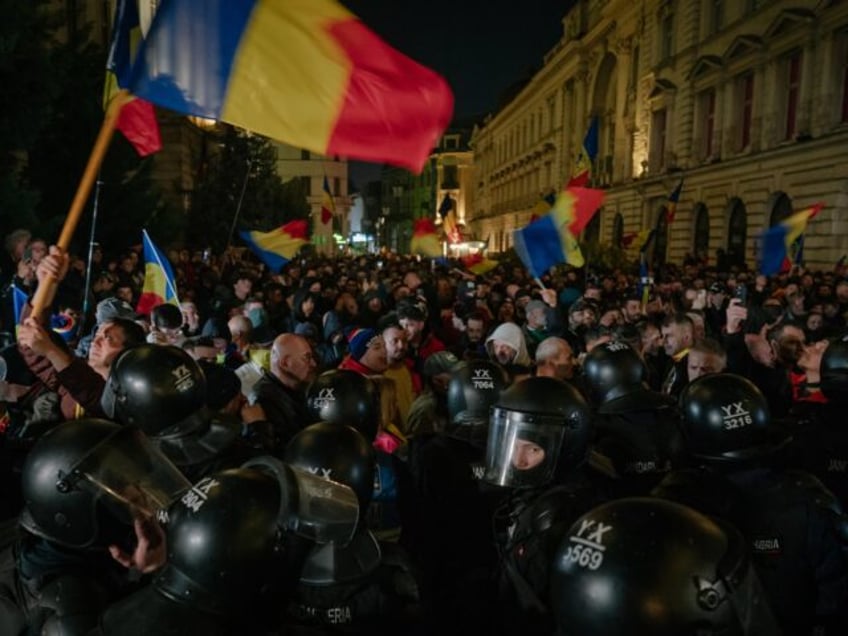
(133,476)
(522,449)
(312,507)
(325,510)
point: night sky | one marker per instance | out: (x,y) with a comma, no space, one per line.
(480,46)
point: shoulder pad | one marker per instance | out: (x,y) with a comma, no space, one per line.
(815,490)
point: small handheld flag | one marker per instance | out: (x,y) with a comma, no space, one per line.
(425,239)
(328,208)
(671,205)
(277,247)
(586,157)
(778,241)
(159,283)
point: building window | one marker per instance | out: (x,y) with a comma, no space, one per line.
(845,85)
(782,209)
(337,186)
(551,113)
(634,69)
(660,239)
(716,17)
(737,233)
(667,35)
(707,103)
(793,92)
(306,184)
(449,178)
(658,132)
(701,243)
(304,155)
(617,230)
(746,114)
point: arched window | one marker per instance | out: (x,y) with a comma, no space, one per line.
(781,209)
(592,232)
(701,239)
(737,233)
(617,230)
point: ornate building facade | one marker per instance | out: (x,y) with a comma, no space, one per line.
(746,101)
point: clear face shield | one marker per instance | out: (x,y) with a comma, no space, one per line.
(522,448)
(129,475)
(312,507)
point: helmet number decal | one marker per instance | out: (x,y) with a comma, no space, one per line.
(325,397)
(587,546)
(735,416)
(482,379)
(199,493)
(182,378)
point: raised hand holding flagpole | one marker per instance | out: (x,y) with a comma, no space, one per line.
(47,288)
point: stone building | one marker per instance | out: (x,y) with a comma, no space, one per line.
(746,101)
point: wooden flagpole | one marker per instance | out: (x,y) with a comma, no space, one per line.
(46,289)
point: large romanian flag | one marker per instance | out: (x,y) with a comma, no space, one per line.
(305,72)
(279,246)
(159,285)
(137,120)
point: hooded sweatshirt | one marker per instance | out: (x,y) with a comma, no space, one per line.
(510,333)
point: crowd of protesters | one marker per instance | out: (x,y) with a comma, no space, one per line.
(407,323)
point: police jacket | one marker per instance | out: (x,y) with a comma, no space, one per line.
(796,532)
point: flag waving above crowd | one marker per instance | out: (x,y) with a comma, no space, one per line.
(137,120)
(305,72)
(159,282)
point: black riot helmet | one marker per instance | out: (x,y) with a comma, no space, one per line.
(335,452)
(161,389)
(648,566)
(725,418)
(834,371)
(616,377)
(341,396)
(539,427)
(228,536)
(474,388)
(86,480)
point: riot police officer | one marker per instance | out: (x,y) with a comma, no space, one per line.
(451,538)
(236,542)
(791,522)
(91,489)
(537,450)
(646,566)
(364,586)
(634,426)
(162,390)
(348,398)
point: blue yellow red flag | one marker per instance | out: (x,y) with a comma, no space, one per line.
(778,241)
(328,207)
(305,72)
(551,239)
(137,119)
(425,239)
(159,283)
(277,247)
(478,264)
(582,172)
(671,205)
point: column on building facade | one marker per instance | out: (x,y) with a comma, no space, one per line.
(622,162)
